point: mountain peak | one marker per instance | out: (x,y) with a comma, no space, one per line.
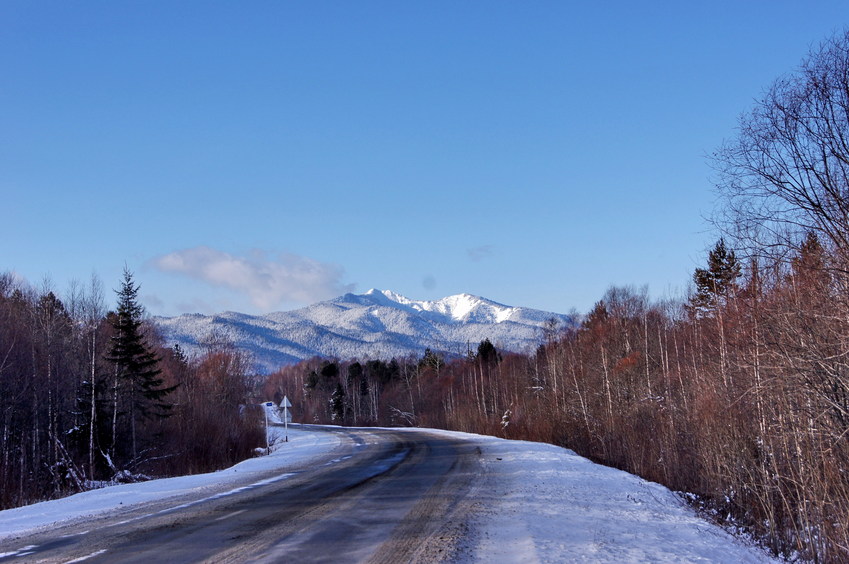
(458,308)
(377,324)
(388,294)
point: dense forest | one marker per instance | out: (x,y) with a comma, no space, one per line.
(90,396)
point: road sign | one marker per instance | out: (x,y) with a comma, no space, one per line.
(287,417)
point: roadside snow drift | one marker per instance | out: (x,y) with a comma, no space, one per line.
(542,503)
(302,447)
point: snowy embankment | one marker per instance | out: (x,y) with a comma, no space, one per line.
(301,448)
(535,503)
(542,503)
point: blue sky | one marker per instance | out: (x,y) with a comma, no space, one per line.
(259,156)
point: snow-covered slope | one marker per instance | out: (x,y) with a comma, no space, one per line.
(374,325)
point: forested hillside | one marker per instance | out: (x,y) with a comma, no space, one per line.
(89,396)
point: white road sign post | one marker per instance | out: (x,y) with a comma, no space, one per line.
(286,404)
(267,446)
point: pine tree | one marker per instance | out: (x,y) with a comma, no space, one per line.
(715,283)
(810,260)
(138,390)
(337,404)
(487,353)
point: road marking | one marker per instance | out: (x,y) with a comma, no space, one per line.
(227,493)
(81,558)
(230,515)
(27,550)
(74,535)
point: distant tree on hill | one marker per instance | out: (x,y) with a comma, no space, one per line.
(487,353)
(432,361)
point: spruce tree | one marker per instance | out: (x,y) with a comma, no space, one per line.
(716,282)
(139,394)
(337,404)
(487,353)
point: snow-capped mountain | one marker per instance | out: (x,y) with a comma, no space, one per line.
(375,325)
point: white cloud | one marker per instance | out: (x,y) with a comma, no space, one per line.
(268,282)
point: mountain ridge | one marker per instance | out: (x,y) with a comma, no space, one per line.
(379,324)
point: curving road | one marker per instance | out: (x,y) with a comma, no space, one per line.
(382,496)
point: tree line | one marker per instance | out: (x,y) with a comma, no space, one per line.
(90,396)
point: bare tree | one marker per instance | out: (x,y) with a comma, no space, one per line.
(787,171)
(88,310)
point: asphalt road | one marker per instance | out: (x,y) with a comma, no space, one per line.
(382,496)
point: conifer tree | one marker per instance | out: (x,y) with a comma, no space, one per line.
(811,257)
(139,394)
(716,282)
(487,353)
(337,404)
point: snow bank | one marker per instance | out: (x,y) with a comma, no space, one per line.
(542,503)
(302,447)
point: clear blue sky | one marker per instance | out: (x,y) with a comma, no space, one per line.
(259,156)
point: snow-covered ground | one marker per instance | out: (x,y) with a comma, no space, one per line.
(302,447)
(542,503)
(537,503)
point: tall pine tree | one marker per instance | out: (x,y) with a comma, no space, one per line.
(138,391)
(715,283)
